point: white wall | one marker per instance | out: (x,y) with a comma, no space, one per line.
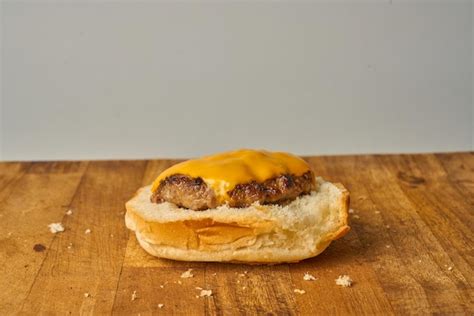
(98,79)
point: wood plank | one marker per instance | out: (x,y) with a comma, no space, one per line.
(93,262)
(418,250)
(10,172)
(459,169)
(409,271)
(442,208)
(178,295)
(448,217)
(323,296)
(34,200)
(413,219)
(253,290)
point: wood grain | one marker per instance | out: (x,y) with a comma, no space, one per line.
(35,198)
(410,250)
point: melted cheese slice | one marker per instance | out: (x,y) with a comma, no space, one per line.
(222,172)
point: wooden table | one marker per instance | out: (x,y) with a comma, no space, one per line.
(410,250)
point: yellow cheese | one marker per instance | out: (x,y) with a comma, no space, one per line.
(222,172)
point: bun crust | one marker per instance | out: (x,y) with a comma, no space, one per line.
(258,234)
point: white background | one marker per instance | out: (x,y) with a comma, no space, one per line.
(102,79)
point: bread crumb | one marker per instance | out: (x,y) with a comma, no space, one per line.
(356,216)
(187,274)
(161,305)
(56,228)
(299,291)
(198,288)
(238,281)
(387,246)
(351,211)
(9,234)
(214,274)
(112,235)
(179,282)
(308,277)
(245,272)
(419,261)
(206,293)
(69,212)
(387,226)
(134,295)
(244,287)
(344,280)
(162,286)
(450,268)
(377,212)
(86,295)
(241,275)
(87,231)
(69,246)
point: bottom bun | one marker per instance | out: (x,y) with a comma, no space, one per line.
(256,234)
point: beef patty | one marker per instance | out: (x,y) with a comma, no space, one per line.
(193,193)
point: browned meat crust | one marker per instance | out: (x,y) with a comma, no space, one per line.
(184,191)
(276,190)
(193,193)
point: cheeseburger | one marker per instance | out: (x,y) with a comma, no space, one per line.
(251,206)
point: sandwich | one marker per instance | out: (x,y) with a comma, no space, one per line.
(243,206)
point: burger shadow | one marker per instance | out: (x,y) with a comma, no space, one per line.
(367,241)
(336,254)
